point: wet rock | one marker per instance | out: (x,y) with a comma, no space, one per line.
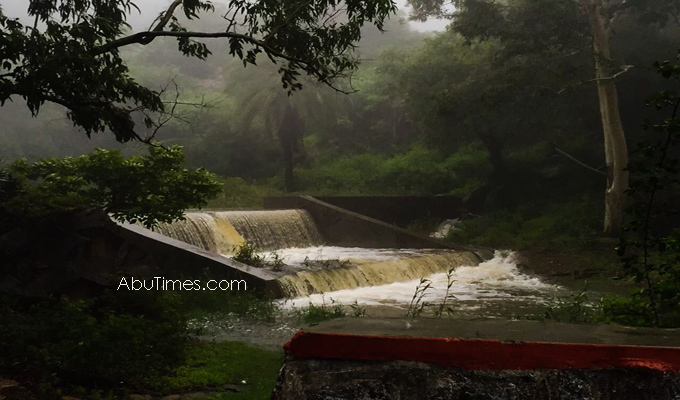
(139,397)
(340,380)
(12,390)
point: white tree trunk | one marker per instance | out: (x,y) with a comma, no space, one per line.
(615,147)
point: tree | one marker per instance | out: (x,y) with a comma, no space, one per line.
(71,54)
(559,28)
(286,117)
(147,189)
(650,250)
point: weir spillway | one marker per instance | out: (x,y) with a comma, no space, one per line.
(311,270)
(221,232)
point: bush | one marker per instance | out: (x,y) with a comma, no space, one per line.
(239,194)
(314,314)
(420,171)
(122,339)
(147,189)
(568,226)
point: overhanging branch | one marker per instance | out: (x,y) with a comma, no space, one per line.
(577,161)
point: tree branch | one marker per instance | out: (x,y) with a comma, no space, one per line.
(574,159)
(145,38)
(624,69)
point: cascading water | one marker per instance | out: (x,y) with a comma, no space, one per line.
(220,232)
(493,288)
(271,230)
(377,277)
(199,229)
(370,268)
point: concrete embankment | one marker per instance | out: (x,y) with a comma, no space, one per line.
(479,359)
(400,210)
(179,259)
(341,227)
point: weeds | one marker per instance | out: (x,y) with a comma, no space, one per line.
(324,312)
(417,304)
(577,309)
(276,262)
(357,310)
(330,263)
(447,295)
(247,253)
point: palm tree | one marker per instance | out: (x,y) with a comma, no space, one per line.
(285,116)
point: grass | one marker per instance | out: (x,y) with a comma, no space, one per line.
(314,314)
(234,370)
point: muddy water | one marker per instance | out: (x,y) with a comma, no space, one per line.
(496,287)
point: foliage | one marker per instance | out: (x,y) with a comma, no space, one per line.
(225,365)
(120,340)
(201,304)
(418,304)
(447,296)
(239,194)
(564,226)
(83,40)
(650,251)
(421,171)
(578,309)
(247,253)
(147,189)
(313,314)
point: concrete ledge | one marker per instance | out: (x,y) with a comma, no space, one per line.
(490,344)
(186,260)
(399,210)
(341,227)
(381,359)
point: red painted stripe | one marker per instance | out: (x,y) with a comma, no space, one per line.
(478,354)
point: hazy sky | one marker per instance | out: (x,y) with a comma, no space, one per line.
(151,8)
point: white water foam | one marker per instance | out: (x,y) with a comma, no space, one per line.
(495,279)
(297,257)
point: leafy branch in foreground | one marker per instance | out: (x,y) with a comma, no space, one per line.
(147,189)
(71,54)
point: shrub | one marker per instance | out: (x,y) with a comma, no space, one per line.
(146,189)
(314,314)
(247,253)
(238,194)
(122,339)
(569,225)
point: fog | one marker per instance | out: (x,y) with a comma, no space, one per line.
(150,8)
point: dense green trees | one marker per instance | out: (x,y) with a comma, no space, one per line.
(146,189)
(71,55)
(500,109)
(562,29)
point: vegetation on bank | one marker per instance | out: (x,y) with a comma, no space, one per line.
(503,113)
(123,342)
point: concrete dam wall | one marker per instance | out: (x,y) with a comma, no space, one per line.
(414,359)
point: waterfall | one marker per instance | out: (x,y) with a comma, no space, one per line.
(198,229)
(372,273)
(221,231)
(271,230)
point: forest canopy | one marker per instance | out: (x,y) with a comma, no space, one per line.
(71,54)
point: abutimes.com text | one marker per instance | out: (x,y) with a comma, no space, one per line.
(160,283)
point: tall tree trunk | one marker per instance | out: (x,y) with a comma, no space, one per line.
(288,175)
(615,147)
(289,136)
